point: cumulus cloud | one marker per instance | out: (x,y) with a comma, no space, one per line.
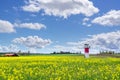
(36,26)
(111,18)
(10,48)
(6,27)
(86,19)
(103,41)
(85,22)
(59,48)
(32,41)
(61,8)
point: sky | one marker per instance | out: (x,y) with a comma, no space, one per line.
(45,26)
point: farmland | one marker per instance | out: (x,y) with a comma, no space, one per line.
(59,67)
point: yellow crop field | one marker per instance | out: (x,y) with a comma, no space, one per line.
(60,67)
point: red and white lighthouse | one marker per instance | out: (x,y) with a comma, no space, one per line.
(86,50)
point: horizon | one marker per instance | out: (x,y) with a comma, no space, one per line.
(52,26)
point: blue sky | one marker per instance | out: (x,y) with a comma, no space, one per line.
(52,25)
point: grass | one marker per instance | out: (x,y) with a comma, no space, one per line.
(59,67)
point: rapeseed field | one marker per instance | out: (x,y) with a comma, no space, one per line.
(59,67)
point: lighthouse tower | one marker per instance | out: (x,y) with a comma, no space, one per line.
(86,50)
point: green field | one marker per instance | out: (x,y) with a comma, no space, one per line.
(59,67)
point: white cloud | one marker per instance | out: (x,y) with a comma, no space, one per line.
(85,22)
(111,18)
(36,26)
(32,41)
(31,50)
(59,48)
(6,27)
(86,19)
(103,41)
(61,8)
(10,48)
(89,25)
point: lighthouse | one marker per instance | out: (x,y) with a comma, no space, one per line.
(86,50)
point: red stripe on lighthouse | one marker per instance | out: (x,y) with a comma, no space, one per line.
(86,50)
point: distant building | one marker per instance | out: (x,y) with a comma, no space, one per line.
(10,54)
